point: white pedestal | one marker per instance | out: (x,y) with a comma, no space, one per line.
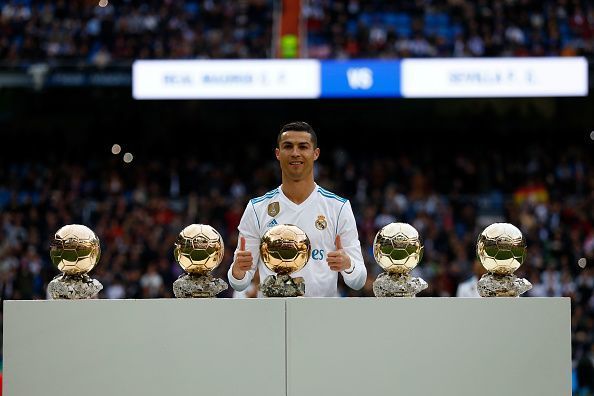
(292,347)
(144,347)
(429,346)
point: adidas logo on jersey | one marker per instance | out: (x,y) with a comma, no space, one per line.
(272,223)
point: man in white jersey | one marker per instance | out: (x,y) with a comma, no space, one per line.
(326,218)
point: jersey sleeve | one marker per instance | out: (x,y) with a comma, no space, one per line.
(349,236)
(248,228)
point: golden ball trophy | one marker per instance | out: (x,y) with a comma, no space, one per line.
(397,249)
(199,249)
(284,249)
(75,250)
(501,248)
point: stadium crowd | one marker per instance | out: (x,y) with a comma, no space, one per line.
(449,28)
(82,32)
(137,210)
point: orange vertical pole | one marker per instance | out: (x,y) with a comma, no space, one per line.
(288,46)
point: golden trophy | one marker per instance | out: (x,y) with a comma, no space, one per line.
(397,249)
(199,249)
(501,248)
(75,250)
(284,249)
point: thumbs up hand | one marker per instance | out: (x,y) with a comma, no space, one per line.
(243,260)
(338,260)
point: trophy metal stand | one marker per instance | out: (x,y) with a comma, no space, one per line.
(397,285)
(198,286)
(73,287)
(283,286)
(494,285)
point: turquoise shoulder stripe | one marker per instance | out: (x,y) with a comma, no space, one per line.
(268,195)
(339,199)
(328,194)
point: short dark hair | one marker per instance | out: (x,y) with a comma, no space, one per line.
(298,126)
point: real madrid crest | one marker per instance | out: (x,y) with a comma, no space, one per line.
(273,208)
(321,223)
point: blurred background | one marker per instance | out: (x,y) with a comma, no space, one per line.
(75,147)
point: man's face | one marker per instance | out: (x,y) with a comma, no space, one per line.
(296,154)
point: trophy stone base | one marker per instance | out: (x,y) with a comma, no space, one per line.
(283,286)
(397,285)
(493,285)
(73,287)
(198,286)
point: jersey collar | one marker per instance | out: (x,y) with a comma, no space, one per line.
(303,204)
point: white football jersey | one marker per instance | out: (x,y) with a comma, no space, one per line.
(468,288)
(322,216)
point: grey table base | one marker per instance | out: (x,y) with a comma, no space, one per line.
(288,346)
